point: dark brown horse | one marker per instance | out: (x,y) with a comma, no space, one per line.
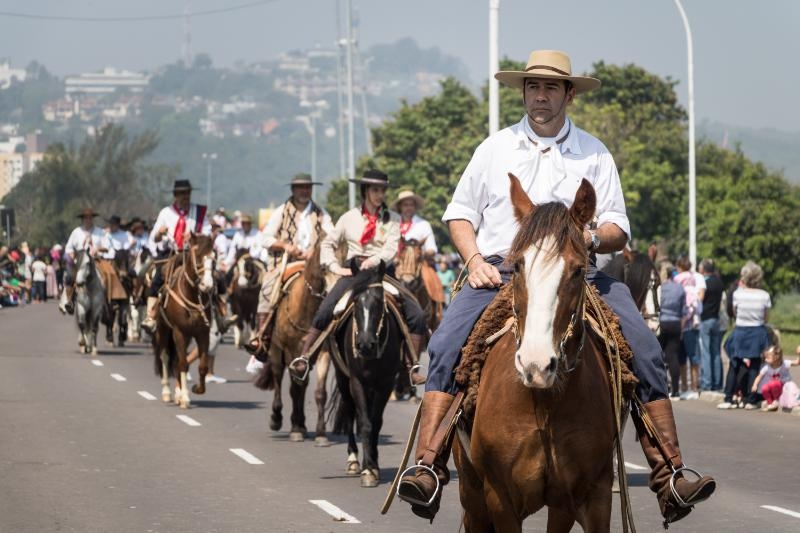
(543,429)
(246,282)
(185,314)
(302,296)
(413,271)
(638,271)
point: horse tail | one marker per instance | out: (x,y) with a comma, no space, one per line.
(343,411)
(172,355)
(266,378)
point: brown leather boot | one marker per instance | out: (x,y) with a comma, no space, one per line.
(419,344)
(675,499)
(421,489)
(300,366)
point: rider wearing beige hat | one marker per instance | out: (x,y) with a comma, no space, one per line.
(551,156)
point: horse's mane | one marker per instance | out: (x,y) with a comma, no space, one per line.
(616,267)
(408,261)
(550,219)
(639,270)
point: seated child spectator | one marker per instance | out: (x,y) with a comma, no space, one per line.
(772,377)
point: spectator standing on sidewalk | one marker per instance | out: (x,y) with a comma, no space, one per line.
(691,329)
(710,340)
(39,277)
(750,337)
(672,314)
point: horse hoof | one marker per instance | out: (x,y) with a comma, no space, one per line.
(275,424)
(184,404)
(166,398)
(197,389)
(322,442)
(370,478)
(296,436)
(94,350)
(353,469)
(393,397)
(413,400)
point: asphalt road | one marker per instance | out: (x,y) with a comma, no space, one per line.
(86,445)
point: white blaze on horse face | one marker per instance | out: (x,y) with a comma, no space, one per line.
(83,270)
(242,274)
(208,266)
(536,353)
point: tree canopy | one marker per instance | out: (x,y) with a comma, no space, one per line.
(745,212)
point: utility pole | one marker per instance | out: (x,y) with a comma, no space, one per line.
(339,121)
(692,176)
(363,85)
(351,154)
(494,66)
(208,158)
(187,36)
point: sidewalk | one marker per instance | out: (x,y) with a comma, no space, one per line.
(718,397)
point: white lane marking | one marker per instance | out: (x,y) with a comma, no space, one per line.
(635,466)
(146,395)
(781,510)
(337,514)
(189,421)
(97,362)
(119,377)
(247,456)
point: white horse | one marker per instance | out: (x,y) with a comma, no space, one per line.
(90,300)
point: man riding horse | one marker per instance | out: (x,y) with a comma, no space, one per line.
(87,234)
(372,235)
(169,236)
(290,235)
(550,155)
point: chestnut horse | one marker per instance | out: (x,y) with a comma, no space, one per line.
(543,431)
(244,295)
(184,314)
(293,316)
(408,271)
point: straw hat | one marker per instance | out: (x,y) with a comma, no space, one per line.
(87,212)
(303,179)
(372,177)
(246,219)
(404,195)
(547,64)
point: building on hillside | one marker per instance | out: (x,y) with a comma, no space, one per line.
(61,110)
(13,166)
(9,146)
(108,81)
(8,74)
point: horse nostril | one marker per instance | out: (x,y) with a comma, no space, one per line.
(519,358)
(553,364)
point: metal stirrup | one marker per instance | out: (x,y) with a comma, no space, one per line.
(681,502)
(308,367)
(412,371)
(414,470)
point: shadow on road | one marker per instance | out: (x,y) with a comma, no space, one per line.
(227,405)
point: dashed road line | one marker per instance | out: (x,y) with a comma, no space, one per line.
(337,514)
(781,510)
(119,377)
(97,362)
(633,466)
(247,456)
(189,421)
(146,395)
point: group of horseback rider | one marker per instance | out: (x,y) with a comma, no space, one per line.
(550,155)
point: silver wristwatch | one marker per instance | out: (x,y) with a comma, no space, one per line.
(595,241)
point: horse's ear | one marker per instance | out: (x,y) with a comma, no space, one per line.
(583,207)
(381,268)
(652,252)
(520,199)
(628,254)
(354,266)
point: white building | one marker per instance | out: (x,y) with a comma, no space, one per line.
(8,74)
(107,81)
(13,166)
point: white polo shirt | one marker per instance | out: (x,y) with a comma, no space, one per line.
(80,237)
(117,240)
(482,195)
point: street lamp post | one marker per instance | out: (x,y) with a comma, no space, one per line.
(310,122)
(208,158)
(692,177)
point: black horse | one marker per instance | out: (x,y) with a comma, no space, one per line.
(639,273)
(368,340)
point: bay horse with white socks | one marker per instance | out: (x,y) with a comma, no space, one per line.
(303,292)
(543,430)
(184,314)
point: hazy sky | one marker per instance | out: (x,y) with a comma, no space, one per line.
(746,52)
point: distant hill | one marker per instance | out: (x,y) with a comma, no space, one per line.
(778,150)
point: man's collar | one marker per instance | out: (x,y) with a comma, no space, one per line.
(570,144)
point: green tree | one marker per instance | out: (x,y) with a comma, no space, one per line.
(105,173)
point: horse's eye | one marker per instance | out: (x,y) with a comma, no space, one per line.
(517,266)
(578,273)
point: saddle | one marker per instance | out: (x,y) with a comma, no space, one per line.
(111,280)
(497,319)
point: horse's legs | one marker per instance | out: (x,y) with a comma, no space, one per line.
(94,326)
(364,424)
(595,514)
(501,511)
(202,341)
(470,487)
(321,397)
(297,392)
(183,368)
(558,521)
(276,360)
(165,395)
(122,323)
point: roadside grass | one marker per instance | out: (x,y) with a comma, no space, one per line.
(785,315)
